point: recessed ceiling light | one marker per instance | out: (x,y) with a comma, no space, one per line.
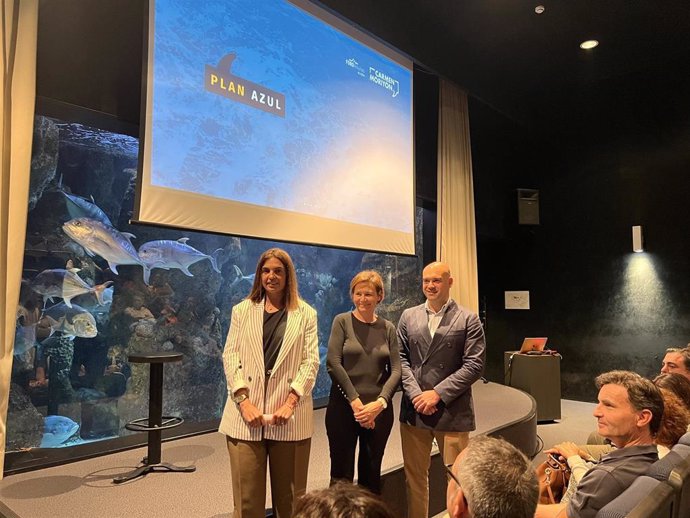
(589,44)
(539,9)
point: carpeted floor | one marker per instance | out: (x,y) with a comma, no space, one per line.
(85,490)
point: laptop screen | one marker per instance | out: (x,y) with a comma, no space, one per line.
(533,344)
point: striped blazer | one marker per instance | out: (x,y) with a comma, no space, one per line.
(295,368)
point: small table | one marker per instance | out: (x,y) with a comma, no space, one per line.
(539,376)
(156,421)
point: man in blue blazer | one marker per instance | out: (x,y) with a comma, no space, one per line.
(442,350)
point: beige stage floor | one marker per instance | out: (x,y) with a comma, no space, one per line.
(85,490)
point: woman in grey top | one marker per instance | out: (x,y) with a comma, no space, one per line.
(364,364)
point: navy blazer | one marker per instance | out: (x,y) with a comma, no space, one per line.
(449,364)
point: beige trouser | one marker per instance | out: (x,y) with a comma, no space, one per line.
(288,463)
(416,447)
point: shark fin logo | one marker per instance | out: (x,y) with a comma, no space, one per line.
(219,80)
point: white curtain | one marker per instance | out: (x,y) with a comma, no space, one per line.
(19,26)
(456,242)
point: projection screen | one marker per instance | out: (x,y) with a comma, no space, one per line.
(276,120)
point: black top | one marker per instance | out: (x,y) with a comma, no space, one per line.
(363,359)
(274,331)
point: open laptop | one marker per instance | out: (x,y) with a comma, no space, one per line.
(533,345)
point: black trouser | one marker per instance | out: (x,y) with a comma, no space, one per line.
(343,432)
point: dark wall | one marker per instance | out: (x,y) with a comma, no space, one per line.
(624,162)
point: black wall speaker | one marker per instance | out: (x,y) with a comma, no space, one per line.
(528,206)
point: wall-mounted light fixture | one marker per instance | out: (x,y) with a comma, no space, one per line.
(637,239)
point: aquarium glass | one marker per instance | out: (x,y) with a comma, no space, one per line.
(96,289)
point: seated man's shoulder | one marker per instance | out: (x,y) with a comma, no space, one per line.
(610,478)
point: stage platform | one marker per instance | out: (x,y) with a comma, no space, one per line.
(85,490)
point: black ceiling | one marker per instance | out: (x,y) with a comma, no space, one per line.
(529,65)
(525,65)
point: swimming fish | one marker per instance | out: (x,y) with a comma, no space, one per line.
(112,245)
(71,321)
(56,430)
(24,338)
(90,303)
(66,284)
(167,254)
(240,277)
(79,207)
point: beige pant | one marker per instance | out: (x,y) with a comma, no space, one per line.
(416,447)
(288,463)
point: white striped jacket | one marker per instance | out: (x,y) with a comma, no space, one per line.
(295,368)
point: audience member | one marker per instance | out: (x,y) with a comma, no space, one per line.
(676,360)
(674,423)
(491,478)
(628,414)
(341,500)
(676,383)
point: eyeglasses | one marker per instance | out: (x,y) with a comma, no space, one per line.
(451,475)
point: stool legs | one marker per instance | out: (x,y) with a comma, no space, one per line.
(155,413)
(152,461)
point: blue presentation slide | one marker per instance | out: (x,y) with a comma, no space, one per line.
(262,103)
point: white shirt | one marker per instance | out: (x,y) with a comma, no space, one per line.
(435,317)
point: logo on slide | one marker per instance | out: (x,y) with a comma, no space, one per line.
(352,63)
(384,80)
(220,81)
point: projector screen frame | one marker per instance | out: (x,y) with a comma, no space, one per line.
(337,22)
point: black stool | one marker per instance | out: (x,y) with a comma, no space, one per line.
(156,421)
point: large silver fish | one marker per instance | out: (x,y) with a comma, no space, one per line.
(79,207)
(167,254)
(66,284)
(112,245)
(71,321)
(57,430)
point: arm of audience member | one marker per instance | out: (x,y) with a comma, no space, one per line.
(578,467)
(551,511)
(409,383)
(473,358)
(334,360)
(592,494)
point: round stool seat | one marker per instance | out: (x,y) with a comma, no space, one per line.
(163,357)
(142,425)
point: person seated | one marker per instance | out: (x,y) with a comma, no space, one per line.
(628,414)
(674,424)
(341,500)
(676,360)
(491,478)
(676,383)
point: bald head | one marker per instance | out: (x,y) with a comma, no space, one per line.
(436,283)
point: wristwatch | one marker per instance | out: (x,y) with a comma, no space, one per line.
(240,398)
(383,402)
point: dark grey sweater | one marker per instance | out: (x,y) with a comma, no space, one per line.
(364,370)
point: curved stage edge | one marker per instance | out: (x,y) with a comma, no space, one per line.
(85,488)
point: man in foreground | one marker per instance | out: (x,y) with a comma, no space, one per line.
(628,414)
(442,353)
(491,478)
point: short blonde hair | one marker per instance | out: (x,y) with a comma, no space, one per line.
(371,277)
